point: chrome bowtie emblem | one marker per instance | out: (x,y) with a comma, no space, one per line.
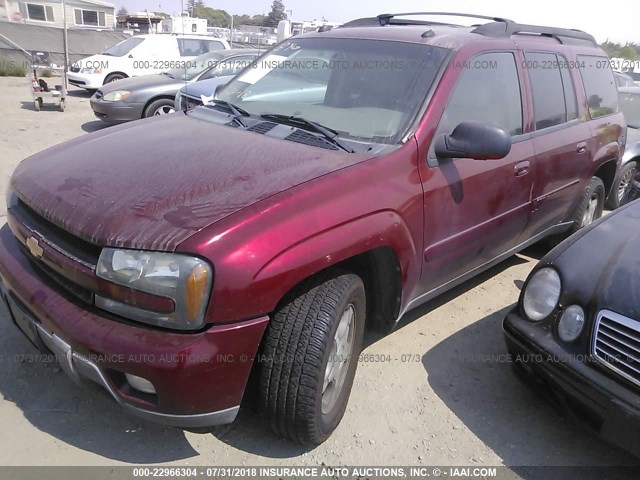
(35,249)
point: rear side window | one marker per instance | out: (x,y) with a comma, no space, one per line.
(600,85)
(549,103)
(569,90)
(488,90)
(192,47)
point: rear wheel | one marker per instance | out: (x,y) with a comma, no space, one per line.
(589,210)
(623,191)
(162,106)
(310,357)
(114,77)
(591,207)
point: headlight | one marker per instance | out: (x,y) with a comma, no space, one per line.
(116,96)
(185,279)
(91,70)
(542,294)
(571,323)
(11,198)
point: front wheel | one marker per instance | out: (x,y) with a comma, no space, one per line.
(309,357)
(114,77)
(162,106)
(623,190)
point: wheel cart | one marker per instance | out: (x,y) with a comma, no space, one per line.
(41,90)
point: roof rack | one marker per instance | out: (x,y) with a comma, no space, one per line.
(508,28)
(497,26)
(388,18)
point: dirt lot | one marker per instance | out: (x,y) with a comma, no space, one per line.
(433,408)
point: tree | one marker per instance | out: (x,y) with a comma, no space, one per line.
(193,4)
(276,14)
(215,18)
(122,12)
(630,51)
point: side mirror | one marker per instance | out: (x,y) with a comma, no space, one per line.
(478,140)
(130,56)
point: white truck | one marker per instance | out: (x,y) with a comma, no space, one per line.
(291,28)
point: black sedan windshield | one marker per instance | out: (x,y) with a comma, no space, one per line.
(362,89)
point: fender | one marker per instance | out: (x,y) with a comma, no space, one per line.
(254,282)
(380,229)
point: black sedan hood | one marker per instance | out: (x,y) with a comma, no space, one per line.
(601,267)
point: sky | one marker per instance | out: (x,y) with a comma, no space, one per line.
(619,23)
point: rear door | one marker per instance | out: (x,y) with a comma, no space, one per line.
(475,210)
(560,141)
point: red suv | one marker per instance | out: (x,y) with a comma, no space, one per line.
(341,180)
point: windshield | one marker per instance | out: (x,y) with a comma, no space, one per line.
(122,48)
(195,67)
(363,89)
(630,107)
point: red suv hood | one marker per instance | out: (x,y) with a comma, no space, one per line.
(154,183)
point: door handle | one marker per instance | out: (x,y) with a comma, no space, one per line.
(521,169)
(581,148)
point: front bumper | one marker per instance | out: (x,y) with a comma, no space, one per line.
(90,81)
(116,112)
(580,388)
(199,378)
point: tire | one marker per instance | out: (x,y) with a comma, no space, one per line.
(620,192)
(300,341)
(595,190)
(114,77)
(62,104)
(37,103)
(591,206)
(162,106)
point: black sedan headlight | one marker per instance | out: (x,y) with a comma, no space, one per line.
(541,294)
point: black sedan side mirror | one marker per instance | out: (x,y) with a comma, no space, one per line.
(478,140)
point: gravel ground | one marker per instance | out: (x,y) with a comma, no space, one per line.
(428,405)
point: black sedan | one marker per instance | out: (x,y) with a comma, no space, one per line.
(149,95)
(576,327)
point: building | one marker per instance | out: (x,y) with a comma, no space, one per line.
(94,14)
(185,24)
(140,22)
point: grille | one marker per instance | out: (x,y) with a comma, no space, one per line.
(262,127)
(300,136)
(616,344)
(74,248)
(189,102)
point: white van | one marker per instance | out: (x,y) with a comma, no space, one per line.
(141,55)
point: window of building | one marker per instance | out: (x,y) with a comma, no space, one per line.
(91,18)
(43,13)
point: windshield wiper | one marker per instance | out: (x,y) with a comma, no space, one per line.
(329,134)
(236,111)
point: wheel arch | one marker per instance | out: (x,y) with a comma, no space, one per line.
(380,271)
(607,173)
(104,82)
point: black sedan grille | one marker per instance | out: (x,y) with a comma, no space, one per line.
(188,102)
(616,344)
